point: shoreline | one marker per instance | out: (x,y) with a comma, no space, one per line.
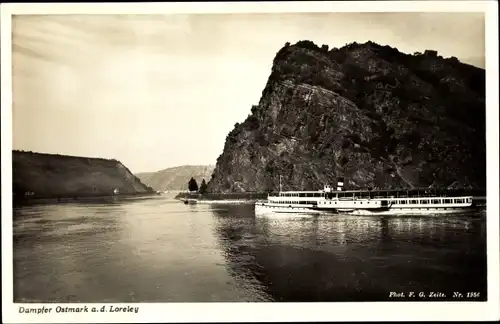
(227,201)
(30,201)
(222,196)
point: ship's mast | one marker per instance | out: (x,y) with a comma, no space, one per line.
(280,184)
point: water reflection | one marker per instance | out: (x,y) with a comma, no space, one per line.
(160,250)
(352,258)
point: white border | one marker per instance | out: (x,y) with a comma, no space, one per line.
(251,312)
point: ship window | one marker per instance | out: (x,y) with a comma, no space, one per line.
(424,202)
(402,202)
(447,201)
(436,201)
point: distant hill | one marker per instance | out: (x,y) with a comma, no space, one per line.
(365,112)
(52,175)
(176,178)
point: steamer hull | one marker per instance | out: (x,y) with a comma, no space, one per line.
(265,209)
(393,202)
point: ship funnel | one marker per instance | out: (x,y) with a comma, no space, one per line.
(340,184)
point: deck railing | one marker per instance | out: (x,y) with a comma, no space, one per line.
(402,193)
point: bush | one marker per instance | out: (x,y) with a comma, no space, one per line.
(203,187)
(192,185)
(252,123)
(307,44)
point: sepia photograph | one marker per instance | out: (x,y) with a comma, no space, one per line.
(250,161)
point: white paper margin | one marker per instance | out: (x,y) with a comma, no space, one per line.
(254,312)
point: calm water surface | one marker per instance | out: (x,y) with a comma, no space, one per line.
(160,250)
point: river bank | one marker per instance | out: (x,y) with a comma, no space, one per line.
(222,198)
(30,200)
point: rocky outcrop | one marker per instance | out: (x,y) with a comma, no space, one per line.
(176,178)
(40,175)
(365,112)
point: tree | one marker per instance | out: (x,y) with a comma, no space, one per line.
(192,185)
(203,186)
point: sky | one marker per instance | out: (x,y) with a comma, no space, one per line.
(157,91)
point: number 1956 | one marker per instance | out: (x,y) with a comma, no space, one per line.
(473,295)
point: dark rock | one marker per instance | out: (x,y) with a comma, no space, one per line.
(376,116)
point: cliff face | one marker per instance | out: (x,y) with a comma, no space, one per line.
(176,178)
(51,175)
(368,113)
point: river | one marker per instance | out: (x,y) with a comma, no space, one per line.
(160,250)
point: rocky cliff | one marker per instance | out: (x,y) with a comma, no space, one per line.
(51,176)
(176,178)
(365,112)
